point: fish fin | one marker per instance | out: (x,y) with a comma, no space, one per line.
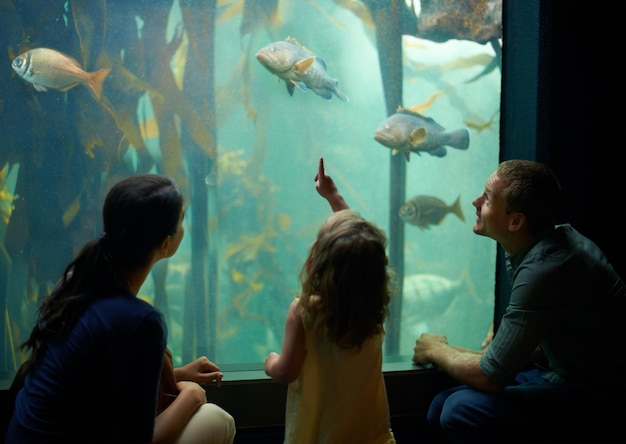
(303,65)
(395,151)
(410,112)
(97,80)
(290,88)
(456,209)
(300,85)
(41,88)
(326,94)
(68,87)
(417,136)
(459,139)
(440,151)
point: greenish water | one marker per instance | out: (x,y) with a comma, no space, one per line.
(253,207)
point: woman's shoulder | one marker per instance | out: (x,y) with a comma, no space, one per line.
(123,309)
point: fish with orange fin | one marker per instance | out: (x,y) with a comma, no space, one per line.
(407,132)
(47,69)
(297,66)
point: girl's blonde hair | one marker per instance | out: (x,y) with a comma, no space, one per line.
(345,280)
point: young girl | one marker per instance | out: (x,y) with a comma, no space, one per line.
(97,351)
(332,351)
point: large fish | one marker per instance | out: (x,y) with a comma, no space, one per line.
(47,68)
(426,298)
(406,131)
(297,66)
(424,211)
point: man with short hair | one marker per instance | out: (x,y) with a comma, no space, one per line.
(555,364)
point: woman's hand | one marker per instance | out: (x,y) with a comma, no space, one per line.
(170,422)
(192,391)
(201,371)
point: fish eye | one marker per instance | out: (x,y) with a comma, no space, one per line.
(18,62)
(407,211)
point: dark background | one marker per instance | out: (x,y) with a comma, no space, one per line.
(578,114)
(560,91)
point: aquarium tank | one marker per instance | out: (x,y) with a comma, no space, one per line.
(237,101)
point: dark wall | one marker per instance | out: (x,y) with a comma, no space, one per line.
(582,112)
(560,106)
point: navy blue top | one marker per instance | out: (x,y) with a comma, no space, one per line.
(100,385)
(567,299)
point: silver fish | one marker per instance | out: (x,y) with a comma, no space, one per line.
(424,211)
(47,68)
(406,131)
(299,67)
(427,298)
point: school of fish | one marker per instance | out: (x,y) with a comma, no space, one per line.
(47,68)
(405,131)
(297,66)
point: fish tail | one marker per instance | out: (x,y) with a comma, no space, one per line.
(342,96)
(456,209)
(460,139)
(97,80)
(466,281)
(339,94)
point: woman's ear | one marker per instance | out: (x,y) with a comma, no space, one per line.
(164,249)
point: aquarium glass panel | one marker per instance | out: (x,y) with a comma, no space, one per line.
(237,101)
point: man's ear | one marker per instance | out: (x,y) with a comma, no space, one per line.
(517,221)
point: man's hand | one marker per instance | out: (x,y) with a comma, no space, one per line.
(424,345)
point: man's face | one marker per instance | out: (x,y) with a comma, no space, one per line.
(491,217)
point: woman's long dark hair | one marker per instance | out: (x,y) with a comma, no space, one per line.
(138,213)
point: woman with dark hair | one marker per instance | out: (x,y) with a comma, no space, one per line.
(97,351)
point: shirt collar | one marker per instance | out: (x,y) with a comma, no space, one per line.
(513,261)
